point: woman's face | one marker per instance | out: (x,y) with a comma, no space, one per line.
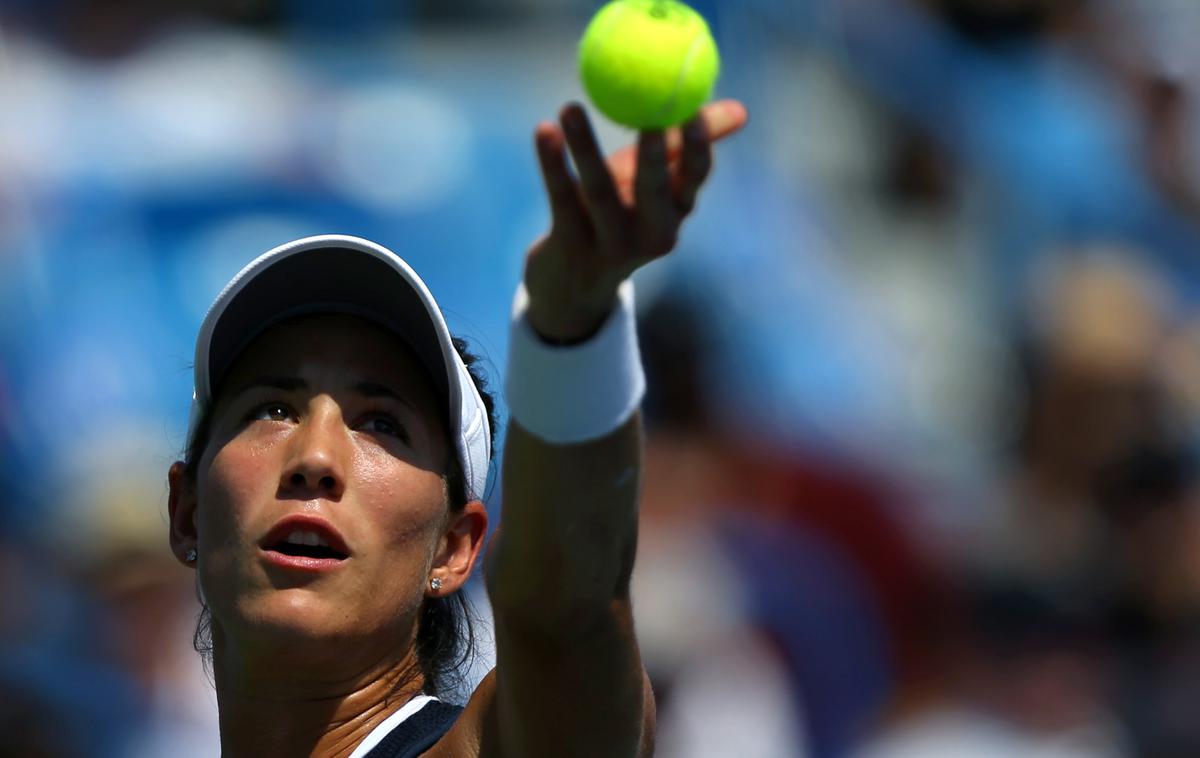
(326,425)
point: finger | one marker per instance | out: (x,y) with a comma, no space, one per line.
(623,166)
(565,207)
(694,166)
(599,193)
(722,119)
(655,204)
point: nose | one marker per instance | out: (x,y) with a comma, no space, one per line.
(317,452)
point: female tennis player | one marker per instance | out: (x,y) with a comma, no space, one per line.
(340,444)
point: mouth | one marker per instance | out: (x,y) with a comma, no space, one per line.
(305,543)
(306,550)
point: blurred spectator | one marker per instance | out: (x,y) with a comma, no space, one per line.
(720,680)
(793,569)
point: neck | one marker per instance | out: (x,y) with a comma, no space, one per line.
(285,708)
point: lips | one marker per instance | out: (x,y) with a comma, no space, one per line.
(304,542)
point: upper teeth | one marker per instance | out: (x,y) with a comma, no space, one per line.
(306,538)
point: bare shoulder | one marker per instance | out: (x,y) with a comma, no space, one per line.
(467,737)
(476,733)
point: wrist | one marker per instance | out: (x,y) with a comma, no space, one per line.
(574,393)
(567,325)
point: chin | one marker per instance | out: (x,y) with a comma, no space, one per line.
(299,616)
(323,624)
(297,611)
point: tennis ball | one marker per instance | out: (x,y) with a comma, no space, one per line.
(648,64)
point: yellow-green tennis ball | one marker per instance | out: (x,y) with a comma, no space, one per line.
(648,64)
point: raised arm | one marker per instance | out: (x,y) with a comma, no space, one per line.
(569,679)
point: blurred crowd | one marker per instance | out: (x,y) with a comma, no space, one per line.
(921,469)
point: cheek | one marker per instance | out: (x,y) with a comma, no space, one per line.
(238,477)
(404,504)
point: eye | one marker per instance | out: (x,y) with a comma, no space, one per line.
(274,411)
(384,423)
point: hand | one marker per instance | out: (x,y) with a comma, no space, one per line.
(619,215)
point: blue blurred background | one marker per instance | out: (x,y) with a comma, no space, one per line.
(925,368)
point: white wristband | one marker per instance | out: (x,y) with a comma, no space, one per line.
(575,393)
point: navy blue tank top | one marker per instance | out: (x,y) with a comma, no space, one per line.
(418,732)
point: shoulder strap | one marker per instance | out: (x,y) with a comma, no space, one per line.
(418,732)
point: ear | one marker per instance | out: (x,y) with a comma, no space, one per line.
(181,508)
(460,547)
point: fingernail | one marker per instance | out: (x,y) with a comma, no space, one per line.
(719,119)
(733,111)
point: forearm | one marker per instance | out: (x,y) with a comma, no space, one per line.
(558,579)
(567,540)
(559,572)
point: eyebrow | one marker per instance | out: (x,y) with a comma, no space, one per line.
(284,383)
(375,389)
(296,384)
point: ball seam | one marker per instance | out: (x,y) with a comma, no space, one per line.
(680,77)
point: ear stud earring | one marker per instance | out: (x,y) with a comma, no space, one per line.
(435,583)
(190,556)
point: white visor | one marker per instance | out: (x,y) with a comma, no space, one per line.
(334,273)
